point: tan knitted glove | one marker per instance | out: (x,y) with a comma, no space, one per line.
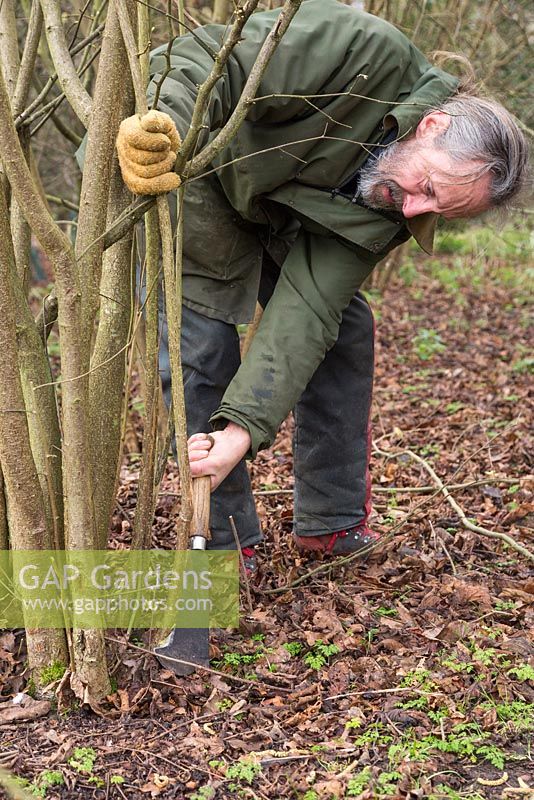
(147,148)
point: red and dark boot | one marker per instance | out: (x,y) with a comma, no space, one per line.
(339,543)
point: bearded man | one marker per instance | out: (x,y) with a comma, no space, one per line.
(354,144)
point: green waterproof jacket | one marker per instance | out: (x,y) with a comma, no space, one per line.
(338,82)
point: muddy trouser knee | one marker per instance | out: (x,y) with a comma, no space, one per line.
(210,359)
(332,438)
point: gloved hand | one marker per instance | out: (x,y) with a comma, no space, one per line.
(147,148)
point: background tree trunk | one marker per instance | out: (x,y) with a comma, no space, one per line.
(221,11)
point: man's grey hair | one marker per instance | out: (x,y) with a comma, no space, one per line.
(483,130)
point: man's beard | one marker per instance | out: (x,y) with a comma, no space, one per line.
(378,174)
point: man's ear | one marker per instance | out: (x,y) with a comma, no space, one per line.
(432,125)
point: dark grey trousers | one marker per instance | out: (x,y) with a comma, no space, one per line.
(332,429)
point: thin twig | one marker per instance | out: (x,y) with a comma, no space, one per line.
(444,546)
(79,98)
(504,537)
(52,107)
(22,118)
(242,562)
(267,50)
(373,692)
(407,489)
(204,93)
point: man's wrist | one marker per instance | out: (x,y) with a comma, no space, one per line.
(240,436)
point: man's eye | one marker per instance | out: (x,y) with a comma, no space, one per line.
(429,191)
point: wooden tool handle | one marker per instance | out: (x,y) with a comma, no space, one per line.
(200,524)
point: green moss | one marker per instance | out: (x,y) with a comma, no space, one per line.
(53,672)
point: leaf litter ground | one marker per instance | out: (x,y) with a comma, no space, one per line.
(408,673)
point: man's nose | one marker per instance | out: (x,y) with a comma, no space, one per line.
(415,204)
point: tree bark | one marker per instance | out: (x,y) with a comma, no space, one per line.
(26,511)
(4,530)
(173,301)
(75,92)
(108,365)
(43,421)
(9,50)
(27,64)
(90,659)
(20,230)
(111,85)
(9,59)
(89,651)
(146,496)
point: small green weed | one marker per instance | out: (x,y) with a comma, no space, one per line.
(383,611)
(204,793)
(453,407)
(458,666)
(427,343)
(466,740)
(515,714)
(485,656)
(293,648)
(319,654)
(235,660)
(524,672)
(83,759)
(46,780)
(387,783)
(436,715)
(524,365)
(442,792)
(358,783)
(419,703)
(429,450)
(370,635)
(420,678)
(505,605)
(374,735)
(244,770)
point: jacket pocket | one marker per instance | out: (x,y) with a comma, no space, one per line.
(217,243)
